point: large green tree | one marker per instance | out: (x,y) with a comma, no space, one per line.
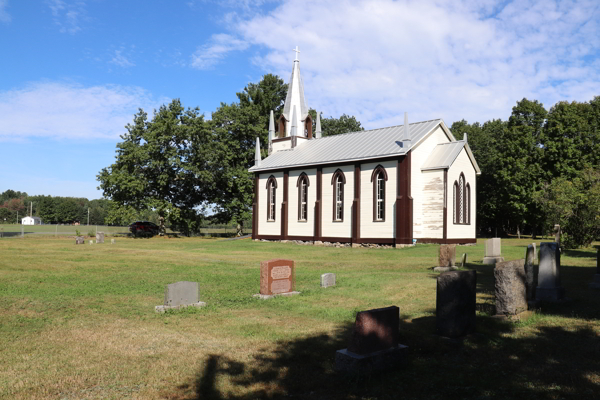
(159,166)
(336,126)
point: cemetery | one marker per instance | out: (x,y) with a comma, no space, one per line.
(178,319)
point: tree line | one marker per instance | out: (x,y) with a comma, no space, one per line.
(15,205)
(539,168)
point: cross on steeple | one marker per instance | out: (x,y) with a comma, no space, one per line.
(297,51)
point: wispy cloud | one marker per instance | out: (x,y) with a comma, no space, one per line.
(216,49)
(444,58)
(69,110)
(67,14)
(121,60)
(4,15)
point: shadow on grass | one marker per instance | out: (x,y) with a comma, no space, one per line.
(550,362)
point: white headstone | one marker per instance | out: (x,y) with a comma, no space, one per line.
(327,280)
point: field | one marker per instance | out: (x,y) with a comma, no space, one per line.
(78,322)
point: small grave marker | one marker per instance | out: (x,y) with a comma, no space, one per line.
(463,260)
(529,271)
(99,237)
(446,258)
(180,295)
(327,280)
(112,241)
(79,240)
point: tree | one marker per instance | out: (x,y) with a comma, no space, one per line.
(235,128)
(266,95)
(336,126)
(160,167)
(574,204)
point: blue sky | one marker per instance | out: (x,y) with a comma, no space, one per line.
(73,72)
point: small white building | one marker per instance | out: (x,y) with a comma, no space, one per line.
(31,221)
(395,185)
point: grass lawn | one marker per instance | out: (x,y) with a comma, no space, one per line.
(78,322)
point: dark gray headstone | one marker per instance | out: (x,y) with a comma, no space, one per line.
(529,271)
(510,284)
(99,237)
(596,280)
(463,260)
(327,280)
(455,303)
(549,288)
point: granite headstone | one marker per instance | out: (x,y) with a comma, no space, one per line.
(549,288)
(529,271)
(179,295)
(511,289)
(493,251)
(455,303)
(327,280)
(99,237)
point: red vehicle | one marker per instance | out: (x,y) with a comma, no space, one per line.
(143,228)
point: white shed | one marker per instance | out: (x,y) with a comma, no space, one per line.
(31,221)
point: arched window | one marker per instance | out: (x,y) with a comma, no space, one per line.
(302,185)
(338,181)
(462,201)
(271,197)
(379,177)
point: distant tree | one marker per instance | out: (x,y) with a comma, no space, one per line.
(160,166)
(266,95)
(336,126)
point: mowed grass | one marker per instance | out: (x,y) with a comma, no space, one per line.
(78,322)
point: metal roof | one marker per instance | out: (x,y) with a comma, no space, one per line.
(443,155)
(348,147)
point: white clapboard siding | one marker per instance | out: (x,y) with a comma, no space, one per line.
(368,227)
(419,155)
(330,228)
(296,227)
(269,227)
(461,164)
(432,204)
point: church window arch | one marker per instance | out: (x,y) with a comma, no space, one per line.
(462,201)
(271,197)
(302,185)
(378,178)
(338,180)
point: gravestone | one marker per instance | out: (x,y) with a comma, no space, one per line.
(99,237)
(91,242)
(446,258)
(535,257)
(180,295)
(277,277)
(548,288)
(373,345)
(79,240)
(112,241)
(511,289)
(493,251)
(556,234)
(455,303)
(463,260)
(327,280)
(596,282)
(529,271)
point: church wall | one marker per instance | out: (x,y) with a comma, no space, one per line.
(461,164)
(281,145)
(269,227)
(330,228)
(431,190)
(419,155)
(368,227)
(296,227)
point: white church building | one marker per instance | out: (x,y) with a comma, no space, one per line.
(413,183)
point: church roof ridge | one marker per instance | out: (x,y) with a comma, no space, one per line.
(378,129)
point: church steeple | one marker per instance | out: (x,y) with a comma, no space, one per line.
(295,99)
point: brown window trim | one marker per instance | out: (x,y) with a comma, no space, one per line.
(376,171)
(466,201)
(301,178)
(338,173)
(271,181)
